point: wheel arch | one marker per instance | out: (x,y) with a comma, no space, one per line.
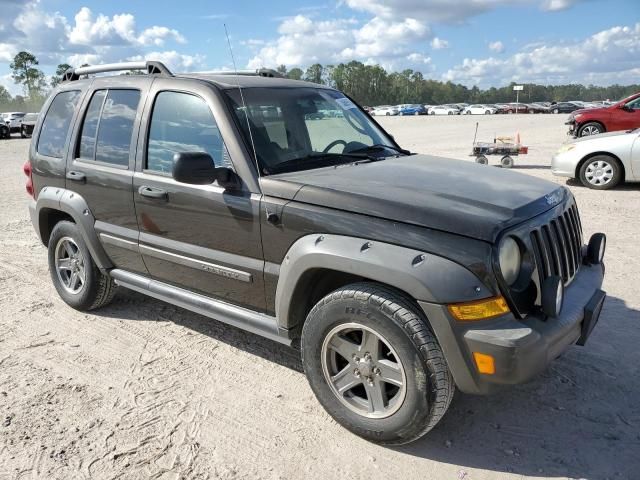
(318,264)
(583,123)
(595,154)
(55,204)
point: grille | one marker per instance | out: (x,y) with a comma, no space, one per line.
(557,246)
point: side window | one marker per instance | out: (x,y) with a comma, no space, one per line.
(90,126)
(116,126)
(55,127)
(181,122)
(634,104)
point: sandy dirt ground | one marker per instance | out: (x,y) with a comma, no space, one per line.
(142,389)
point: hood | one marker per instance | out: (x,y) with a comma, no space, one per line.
(450,195)
(600,136)
(598,110)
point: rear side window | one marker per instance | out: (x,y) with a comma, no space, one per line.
(53,134)
(108,126)
(181,122)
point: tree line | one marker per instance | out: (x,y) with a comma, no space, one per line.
(367,84)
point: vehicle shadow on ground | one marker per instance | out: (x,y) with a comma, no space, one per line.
(580,418)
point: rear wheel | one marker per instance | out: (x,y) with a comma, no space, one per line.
(374,365)
(506,161)
(601,172)
(75,275)
(482,160)
(555,110)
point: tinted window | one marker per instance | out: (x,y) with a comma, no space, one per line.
(182,123)
(55,127)
(116,126)
(90,126)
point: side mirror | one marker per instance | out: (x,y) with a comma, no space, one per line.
(197,168)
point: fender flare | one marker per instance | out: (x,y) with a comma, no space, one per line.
(63,200)
(423,276)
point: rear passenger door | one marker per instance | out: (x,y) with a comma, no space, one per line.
(199,237)
(102,164)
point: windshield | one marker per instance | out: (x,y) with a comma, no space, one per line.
(301,128)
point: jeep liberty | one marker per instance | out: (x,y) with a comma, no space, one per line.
(281,207)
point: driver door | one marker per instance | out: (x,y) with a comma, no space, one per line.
(629,116)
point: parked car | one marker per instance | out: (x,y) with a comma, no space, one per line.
(563,107)
(537,108)
(398,286)
(623,115)
(413,110)
(478,109)
(443,110)
(27,124)
(4,131)
(385,110)
(12,120)
(516,108)
(600,162)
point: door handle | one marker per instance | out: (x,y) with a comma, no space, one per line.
(152,192)
(76,176)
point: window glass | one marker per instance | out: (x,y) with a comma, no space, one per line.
(634,104)
(55,127)
(116,126)
(90,126)
(183,123)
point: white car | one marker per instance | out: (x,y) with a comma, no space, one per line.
(12,120)
(442,110)
(385,110)
(478,110)
(600,161)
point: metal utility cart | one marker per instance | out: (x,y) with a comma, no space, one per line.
(506,147)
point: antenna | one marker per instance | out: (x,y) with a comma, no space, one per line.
(244,105)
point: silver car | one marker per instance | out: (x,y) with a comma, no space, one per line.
(600,161)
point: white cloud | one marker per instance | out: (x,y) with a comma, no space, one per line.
(419,58)
(439,44)
(173,60)
(606,57)
(304,41)
(446,10)
(497,46)
(88,38)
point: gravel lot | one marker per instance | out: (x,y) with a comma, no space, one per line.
(142,389)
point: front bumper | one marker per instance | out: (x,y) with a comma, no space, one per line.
(522,348)
(573,128)
(564,164)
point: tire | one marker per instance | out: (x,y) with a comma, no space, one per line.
(387,114)
(506,161)
(601,172)
(590,128)
(22,134)
(487,112)
(96,289)
(482,160)
(555,110)
(402,338)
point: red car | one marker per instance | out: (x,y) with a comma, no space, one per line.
(624,115)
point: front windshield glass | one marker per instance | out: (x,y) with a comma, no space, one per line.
(301,128)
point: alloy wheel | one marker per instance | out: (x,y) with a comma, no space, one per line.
(70,266)
(363,370)
(590,130)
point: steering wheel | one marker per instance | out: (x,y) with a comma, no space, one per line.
(333,144)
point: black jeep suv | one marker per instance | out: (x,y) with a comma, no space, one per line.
(399,276)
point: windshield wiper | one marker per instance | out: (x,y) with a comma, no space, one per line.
(381,146)
(319,159)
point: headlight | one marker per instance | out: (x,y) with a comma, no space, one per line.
(567,147)
(510,259)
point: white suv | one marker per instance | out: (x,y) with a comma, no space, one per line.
(12,120)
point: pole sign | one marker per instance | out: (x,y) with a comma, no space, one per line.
(517,88)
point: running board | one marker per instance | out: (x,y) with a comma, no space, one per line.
(258,323)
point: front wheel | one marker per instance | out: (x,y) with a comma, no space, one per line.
(374,365)
(75,275)
(601,172)
(590,128)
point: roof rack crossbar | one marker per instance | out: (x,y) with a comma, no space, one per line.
(260,72)
(151,67)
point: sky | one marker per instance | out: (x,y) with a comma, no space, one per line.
(473,42)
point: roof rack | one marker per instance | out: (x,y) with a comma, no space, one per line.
(151,67)
(260,72)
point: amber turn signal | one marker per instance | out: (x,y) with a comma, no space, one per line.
(479,310)
(485,363)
